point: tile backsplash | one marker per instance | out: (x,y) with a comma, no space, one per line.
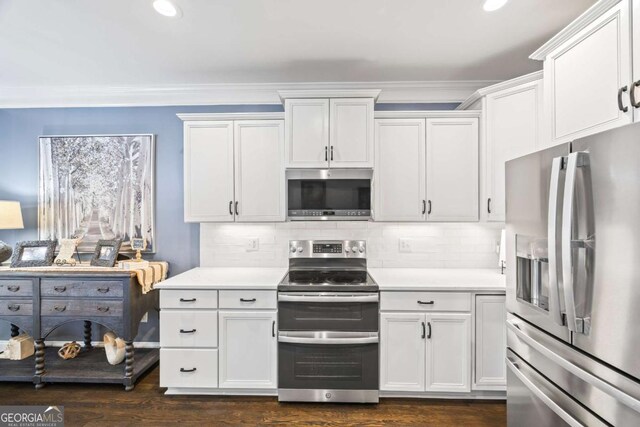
(428,245)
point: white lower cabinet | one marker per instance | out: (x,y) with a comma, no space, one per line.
(491,343)
(188,368)
(425,352)
(248,349)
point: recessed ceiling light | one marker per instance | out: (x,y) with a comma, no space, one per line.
(167,8)
(491,5)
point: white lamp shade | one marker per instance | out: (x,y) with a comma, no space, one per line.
(10,215)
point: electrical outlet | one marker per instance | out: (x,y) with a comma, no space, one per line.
(404,245)
(145,318)
(253,244)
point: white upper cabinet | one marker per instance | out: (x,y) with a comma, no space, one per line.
(322,133)
(259,170)
(634,89)
(513,124)
(208,171)
(587,74)
(399,172)
(307,133)
(351,133)
(452,169)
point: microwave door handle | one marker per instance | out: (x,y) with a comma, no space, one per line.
(555,306)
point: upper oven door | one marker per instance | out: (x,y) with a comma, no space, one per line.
(326,194)
(327,311)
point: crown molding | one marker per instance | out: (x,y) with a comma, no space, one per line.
(507,84)
(426,114)
(227,94)
(191,117)
(329,93)
(577,25)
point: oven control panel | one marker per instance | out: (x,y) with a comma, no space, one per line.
(327,249)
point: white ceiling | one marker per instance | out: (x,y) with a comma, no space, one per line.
(125,42)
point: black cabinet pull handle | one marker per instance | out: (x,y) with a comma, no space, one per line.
(424,207)
(13,288)
(60,308)
(424,331)
(14,307)
(237,213)
(103,290)
(230,207)
(191,331)
(429,211)
(273,329)
(247,300)
(103,309)
(187,370)
(426,302)
(620,106)
(332,153)
(429,334)
(489,205)
(60,288)
(633,94)
(187,300)
(326,154)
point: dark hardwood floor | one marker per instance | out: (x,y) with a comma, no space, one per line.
(94,405)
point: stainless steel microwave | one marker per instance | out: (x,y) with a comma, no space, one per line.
(329,194)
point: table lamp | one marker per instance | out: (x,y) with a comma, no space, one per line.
(10,219)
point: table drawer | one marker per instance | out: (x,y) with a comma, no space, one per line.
(189,328)
(188,368)
(81,288)
(425,301)
(84,307)
(179,298)
(248,299)
(16,307)
(16,288)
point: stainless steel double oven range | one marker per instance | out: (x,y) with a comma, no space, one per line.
(328,333)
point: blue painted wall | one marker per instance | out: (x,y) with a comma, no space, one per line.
(177,242)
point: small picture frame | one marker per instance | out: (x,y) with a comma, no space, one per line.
(106,253)
(33,253)
(138,244)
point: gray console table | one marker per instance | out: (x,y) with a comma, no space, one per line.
(39,302)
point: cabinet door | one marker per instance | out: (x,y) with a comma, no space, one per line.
(259,170)
(402,351)
(491,343)
(513,127)
(248,349)
(208,171)
(636,57)
(399,176)
(452,169)
(351,130)
(584,76)
(448,352)
(307,133)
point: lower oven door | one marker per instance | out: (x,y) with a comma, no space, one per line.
(328,311)
(328,366)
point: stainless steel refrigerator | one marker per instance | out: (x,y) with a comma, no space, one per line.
(573,283)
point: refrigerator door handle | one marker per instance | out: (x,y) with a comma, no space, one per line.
(574,162)
(574,369)
(555,299)
(533,388)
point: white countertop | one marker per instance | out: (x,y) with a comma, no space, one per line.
(438,279)
(226,278)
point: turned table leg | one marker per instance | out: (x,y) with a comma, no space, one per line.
(15,331)
(39,362)
(128,368)
(87,335)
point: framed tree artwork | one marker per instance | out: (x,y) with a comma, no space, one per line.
(98,187)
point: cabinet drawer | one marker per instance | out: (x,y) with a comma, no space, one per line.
(425,301)
(188,368)
(179,298)
(86,307)
(248,299)
(16,288)
(81,288)
(188,328)
(16,307)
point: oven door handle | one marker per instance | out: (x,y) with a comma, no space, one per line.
(324,297)
(312,338)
